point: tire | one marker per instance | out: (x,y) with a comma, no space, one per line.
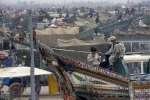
(16,89)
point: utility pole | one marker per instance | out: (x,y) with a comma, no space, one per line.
(32,76)
(131,89)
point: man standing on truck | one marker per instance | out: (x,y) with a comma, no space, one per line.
(93,58)
(117,52)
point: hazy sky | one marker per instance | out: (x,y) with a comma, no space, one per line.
(59,1)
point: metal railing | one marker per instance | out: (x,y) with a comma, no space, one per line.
(137,46)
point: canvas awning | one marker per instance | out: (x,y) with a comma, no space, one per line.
(21,72)
(136,58)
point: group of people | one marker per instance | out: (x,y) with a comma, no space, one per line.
(115,54)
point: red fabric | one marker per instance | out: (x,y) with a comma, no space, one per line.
(67,97)
(3,55)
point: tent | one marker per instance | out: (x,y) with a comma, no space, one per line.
(20,72)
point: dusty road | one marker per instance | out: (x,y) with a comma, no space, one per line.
(42,98)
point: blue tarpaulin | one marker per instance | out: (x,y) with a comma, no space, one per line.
(6,81)
(7,62)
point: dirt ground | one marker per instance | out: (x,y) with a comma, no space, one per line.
(42,98)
